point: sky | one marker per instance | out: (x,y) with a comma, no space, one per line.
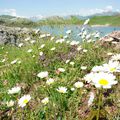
(43,8)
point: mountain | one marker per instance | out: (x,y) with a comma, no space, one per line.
(40,17)
(6,17)
(36,18)
(107,14)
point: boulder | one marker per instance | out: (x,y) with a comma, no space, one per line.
(111,40)
(13,35)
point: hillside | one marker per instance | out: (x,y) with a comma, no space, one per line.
(103,20)
(56,20)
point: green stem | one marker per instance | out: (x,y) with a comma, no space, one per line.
(99,104)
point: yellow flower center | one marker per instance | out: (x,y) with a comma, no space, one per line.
(103,82)
(25,101)
(62,91)
(112,69)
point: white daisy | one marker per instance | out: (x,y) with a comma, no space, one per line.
(112,66)
(62,89)
(45,101)
(27,39)
(83,67)
(50,81)
(74,43)
(61,69)
(42,46)
(14,61)
(52,38)
(88,78)
(41,53)
(97,69)
(67,61)
(72,63)
(43,36)
(32,41)
(10,103)
(84,50)
(115,57)
(30,50)
(43,74)
(52,49)
(79,48)
(79,84)
(24,100)
(14,90)
(68,32)
(104,80)
(86,22)
(20,45)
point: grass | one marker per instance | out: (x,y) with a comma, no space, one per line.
(103,20)
(69,106)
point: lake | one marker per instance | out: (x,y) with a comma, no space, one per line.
(61,30)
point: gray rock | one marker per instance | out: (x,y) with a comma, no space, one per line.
(12,35)
(111,40)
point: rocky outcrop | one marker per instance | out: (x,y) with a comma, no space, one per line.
(14,35)
(111,40)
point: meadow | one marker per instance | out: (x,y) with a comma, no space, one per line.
(50,78)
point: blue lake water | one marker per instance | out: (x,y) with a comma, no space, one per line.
(61,30)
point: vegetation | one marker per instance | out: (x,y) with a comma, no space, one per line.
(20,66)
(104,20)
(23,22)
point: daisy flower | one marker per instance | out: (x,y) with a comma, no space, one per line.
(74,43)
(30,50)
(24,100)
(42,46)
(104,80)
(115,57)
(97,69)
(32,41)
(50,81)
(10,103)
(14,61)
(68,32)
(67,61)
(14,90)
(112,66)
(83,67)
(52,49)
(41,53)
(72,63)
(84,50)
(62,89)
(43,74)
(20,45)
(88,78)
(86,22)
(61,69)
(45,101)
(79,84)
(43,36)
(52,38)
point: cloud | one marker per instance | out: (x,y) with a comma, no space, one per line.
(86,12)
(11,12)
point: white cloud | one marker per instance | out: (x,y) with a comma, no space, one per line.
(11,12)
(85,12)
(88,11)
